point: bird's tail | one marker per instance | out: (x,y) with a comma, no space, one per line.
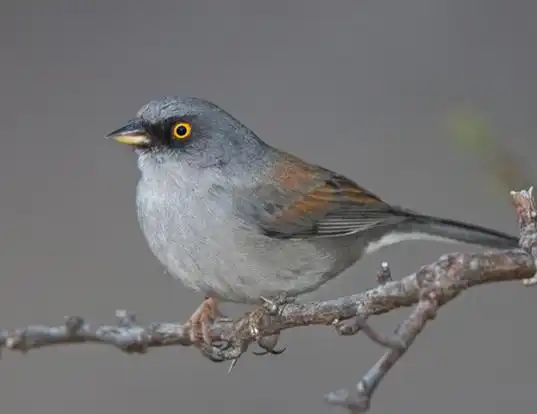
(461,232)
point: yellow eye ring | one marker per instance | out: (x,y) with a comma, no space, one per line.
(181,130)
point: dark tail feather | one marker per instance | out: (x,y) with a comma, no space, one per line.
(462,232)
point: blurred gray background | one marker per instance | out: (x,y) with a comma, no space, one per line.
(363,87)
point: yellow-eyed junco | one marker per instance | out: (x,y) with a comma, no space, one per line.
(237,219)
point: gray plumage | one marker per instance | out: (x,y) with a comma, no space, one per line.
(237,219)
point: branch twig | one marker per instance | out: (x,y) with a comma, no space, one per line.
(428,289)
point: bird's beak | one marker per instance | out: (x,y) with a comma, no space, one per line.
(132,134)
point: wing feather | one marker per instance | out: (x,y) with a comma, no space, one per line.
(311,202)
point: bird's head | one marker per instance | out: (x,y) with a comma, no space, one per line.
(189,128)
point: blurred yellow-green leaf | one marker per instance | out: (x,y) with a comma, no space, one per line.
(470,131)
(472,134)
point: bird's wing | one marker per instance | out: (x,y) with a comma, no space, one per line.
(307,201)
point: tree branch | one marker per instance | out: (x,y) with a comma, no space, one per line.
(428,289)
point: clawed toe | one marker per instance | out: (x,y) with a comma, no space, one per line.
(272,307)
(232,347)
(201,320)
(269,343)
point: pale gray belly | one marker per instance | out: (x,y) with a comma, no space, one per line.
(199,241)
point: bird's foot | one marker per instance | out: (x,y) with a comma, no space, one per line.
(201,320)
(271,308)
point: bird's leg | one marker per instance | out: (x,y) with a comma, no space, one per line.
(202,318)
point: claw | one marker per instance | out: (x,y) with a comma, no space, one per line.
(272,307)
(212,353)
(215,354)
(232,365)
(268,343)
(270,351)
(222,345)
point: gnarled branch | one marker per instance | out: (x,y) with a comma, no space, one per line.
(428,289)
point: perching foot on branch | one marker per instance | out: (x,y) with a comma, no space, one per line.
(271,308)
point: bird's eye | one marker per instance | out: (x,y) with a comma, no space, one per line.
(181,130)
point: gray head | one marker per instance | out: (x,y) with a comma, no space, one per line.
(192,129)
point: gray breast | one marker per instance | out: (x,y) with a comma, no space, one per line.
(188,219)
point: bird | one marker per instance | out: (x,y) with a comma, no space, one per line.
(240,220)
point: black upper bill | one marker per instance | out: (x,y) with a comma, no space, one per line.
(133,133)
